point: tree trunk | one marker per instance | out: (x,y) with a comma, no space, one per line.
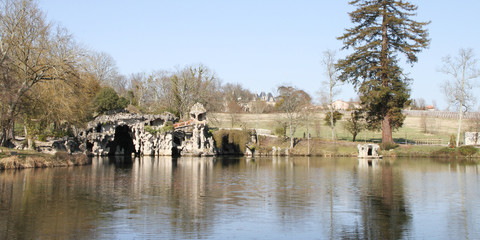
(331,123)
(28,138)
(308,139)
(3,138)
(7,132)
(460,110)
(386,130)
(460,116)
(291,136)
(386,126)
(12,131)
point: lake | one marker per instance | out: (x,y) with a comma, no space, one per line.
(243,198)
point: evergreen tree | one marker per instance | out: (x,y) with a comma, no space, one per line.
(107,99)
(383,28)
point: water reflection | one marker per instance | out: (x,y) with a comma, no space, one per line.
(267,198)
(383,208)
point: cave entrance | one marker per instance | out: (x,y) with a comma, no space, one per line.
(122,143)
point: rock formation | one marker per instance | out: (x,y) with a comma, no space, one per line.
(368,150)
(154,135)
(471,138)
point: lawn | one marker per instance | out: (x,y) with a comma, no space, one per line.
(414,128)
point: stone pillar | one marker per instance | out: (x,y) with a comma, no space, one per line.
(202,138)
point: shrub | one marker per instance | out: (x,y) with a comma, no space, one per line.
(452,143)
(280,131)
(336,117)
(107,99)
(231,141)
(467,150)
(388,146)
(168,127)
(210,132)
(151,130)
(42,137)
(446,152)
(63,132)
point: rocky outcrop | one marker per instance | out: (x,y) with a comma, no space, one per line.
(471,138)
(153,135)
(368,150)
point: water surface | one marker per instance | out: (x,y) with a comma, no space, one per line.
(242,198)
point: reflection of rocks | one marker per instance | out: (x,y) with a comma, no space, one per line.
(153,135)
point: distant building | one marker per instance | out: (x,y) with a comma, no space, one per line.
(267,97)
(342,105)
(430,108)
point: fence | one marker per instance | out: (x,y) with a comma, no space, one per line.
(440,114)
(428,141)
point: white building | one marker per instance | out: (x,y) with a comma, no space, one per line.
(342,105)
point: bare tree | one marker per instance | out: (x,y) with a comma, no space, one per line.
(421,104)
(176,91)
(237,93)
(258,106)
(292,102)
(104,69)
(307,115)
(331,85)
(195,83)
(424,122)
(32,51)
(157,87)
(458,90)
(233,110)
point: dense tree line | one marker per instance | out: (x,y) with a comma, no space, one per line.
(48,83)
(42,80)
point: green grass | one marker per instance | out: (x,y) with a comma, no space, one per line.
(411,130)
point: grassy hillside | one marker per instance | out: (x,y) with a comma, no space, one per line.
(414,128)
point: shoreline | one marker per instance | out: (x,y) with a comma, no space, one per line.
(22,159)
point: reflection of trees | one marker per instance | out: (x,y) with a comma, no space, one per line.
(293,190)
(200,197)
(384,214)
(49,203)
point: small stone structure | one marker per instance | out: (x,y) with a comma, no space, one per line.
(193,139)
(149,135)
(471,138)
(368,150)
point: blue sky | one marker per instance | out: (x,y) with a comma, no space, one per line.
(261,44)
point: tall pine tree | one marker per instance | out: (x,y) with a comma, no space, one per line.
(382,29)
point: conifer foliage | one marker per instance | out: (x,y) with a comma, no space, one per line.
(382,29)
